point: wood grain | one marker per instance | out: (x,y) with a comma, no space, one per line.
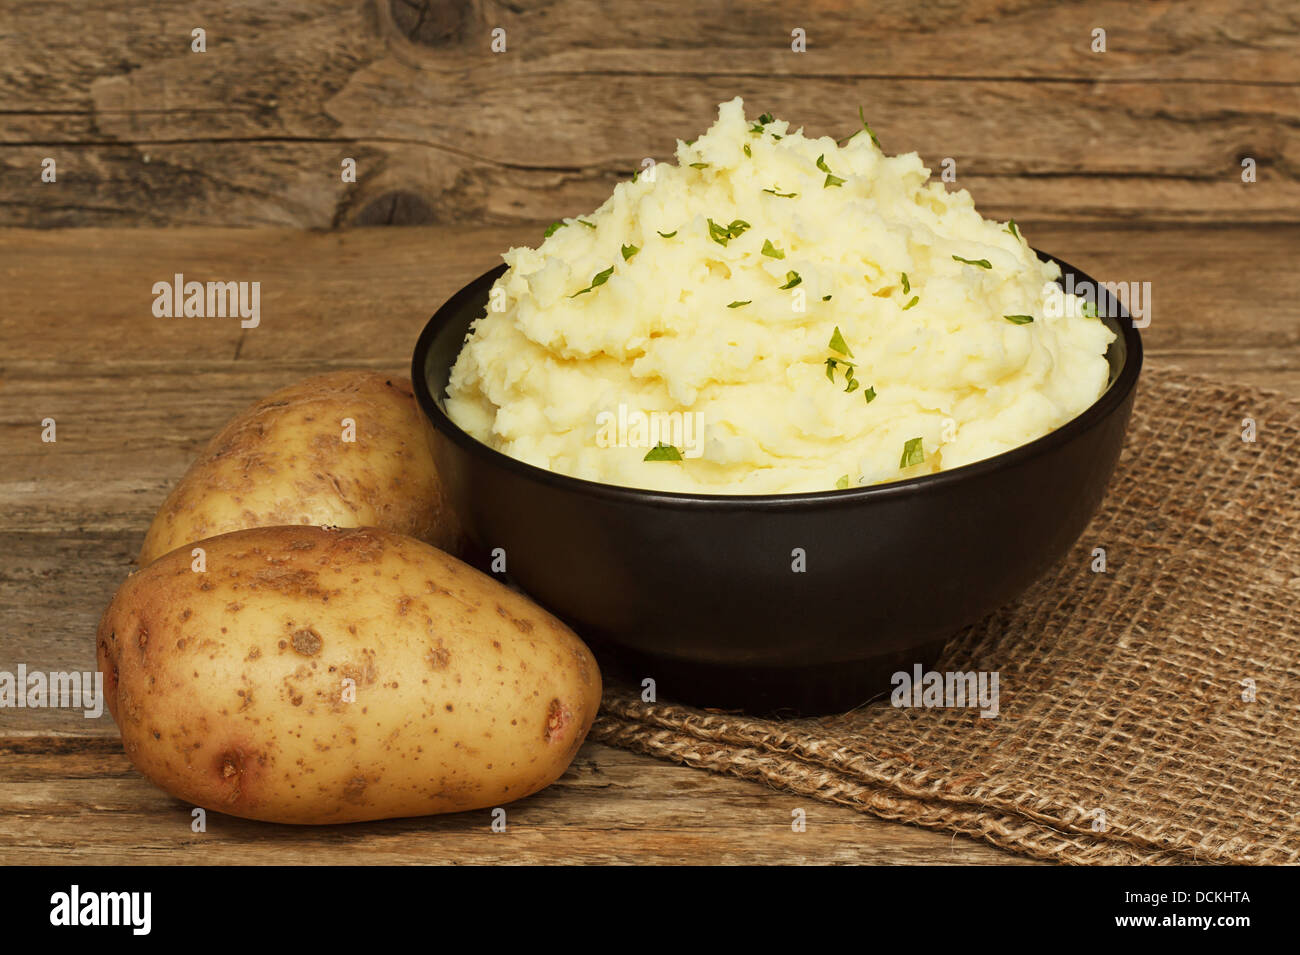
(73,801)
(444,131)
(135,396)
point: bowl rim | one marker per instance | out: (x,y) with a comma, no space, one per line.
(1111,399)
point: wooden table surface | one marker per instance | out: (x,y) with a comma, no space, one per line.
(135,397)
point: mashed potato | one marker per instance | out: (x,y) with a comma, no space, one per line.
(775,314)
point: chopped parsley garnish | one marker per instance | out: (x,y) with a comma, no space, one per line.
(739,304)
(1011,227)
(863,116)
(982,263)
(766,118)
(553,228)
(757,128)
(842,482)
(1088,309)
(792,279)
(870,395)
(907,286)
(913,453)
(667,235)
(781,195)
(826,298)
(830,179)
(832,363)
(837,343)
(1019,319)
(722,234)
(629,251)
(598,280)
(699,165)
(915,299)
(589,225)
(747,152)
(662,452)
(772,251)
(865,129)
(851,384)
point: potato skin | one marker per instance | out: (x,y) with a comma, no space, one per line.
(228,684)
(284,461)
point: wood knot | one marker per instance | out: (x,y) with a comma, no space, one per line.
(431,22)
(396,208)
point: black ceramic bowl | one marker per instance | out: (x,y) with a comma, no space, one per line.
(697,592)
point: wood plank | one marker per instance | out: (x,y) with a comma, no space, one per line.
(610,806)
(444,131)
(323,296)
(1182,40)
(363,296)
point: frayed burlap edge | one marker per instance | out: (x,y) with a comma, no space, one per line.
(1004,830)
(683,736)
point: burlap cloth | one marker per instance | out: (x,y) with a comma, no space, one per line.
(1124,692)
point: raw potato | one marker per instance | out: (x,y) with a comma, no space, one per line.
(229,685)
(284,461)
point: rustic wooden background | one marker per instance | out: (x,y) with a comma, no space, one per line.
(225,165)
(253,131)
